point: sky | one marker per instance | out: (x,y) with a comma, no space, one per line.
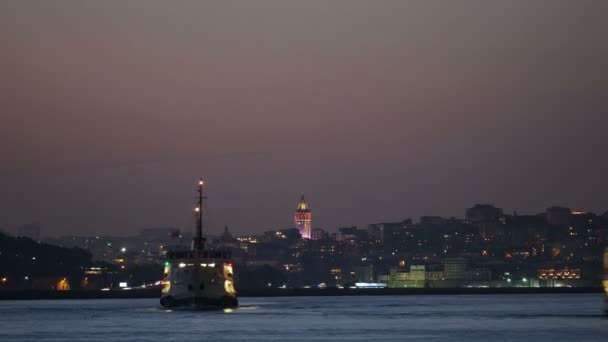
(377,110)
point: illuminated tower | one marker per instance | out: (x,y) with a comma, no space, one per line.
(303,218)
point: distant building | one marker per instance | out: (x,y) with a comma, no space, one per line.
(559,277)
(558,216)
(351,233)
(435,275)
(227,240)
(432,220)
(455,268)
(292,235)
(318,234)
(386,231)
(363,274)
(416,277)
(162,234)
(563,273)
(491,231)
(303,218)
(31,231)
(483,213)
(227,236)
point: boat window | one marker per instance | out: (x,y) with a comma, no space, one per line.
(190,287)
(202,287)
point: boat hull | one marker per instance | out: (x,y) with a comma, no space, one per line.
(199,303)
(195,282)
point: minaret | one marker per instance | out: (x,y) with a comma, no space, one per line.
(303,218)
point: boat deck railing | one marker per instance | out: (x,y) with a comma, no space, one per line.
(216,254)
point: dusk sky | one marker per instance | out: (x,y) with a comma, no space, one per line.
(376,110)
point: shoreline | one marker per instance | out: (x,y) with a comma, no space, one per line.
(333,292)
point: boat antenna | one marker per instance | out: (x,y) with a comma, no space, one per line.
(199,241)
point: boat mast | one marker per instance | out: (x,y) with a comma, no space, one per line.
(199,241)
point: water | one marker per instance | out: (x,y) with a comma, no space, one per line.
(575,317)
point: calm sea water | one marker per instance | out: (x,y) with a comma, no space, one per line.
(576,317)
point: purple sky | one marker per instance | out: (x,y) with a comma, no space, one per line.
(377,110)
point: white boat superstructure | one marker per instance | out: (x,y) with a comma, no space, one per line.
(198,278)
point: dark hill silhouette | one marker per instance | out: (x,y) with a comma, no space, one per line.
(25,259)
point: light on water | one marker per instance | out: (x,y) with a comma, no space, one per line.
(574,317)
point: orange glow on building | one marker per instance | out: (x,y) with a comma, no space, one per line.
(564,273)
(63,285)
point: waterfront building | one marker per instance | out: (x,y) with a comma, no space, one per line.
(415,278)
(560,277)
(559,273)
(302,219)
(363,274)
(455,268)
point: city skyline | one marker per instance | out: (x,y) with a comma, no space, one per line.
(161,162)
(377,110)
(301,223)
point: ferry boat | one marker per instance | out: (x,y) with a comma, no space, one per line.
(198,278)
